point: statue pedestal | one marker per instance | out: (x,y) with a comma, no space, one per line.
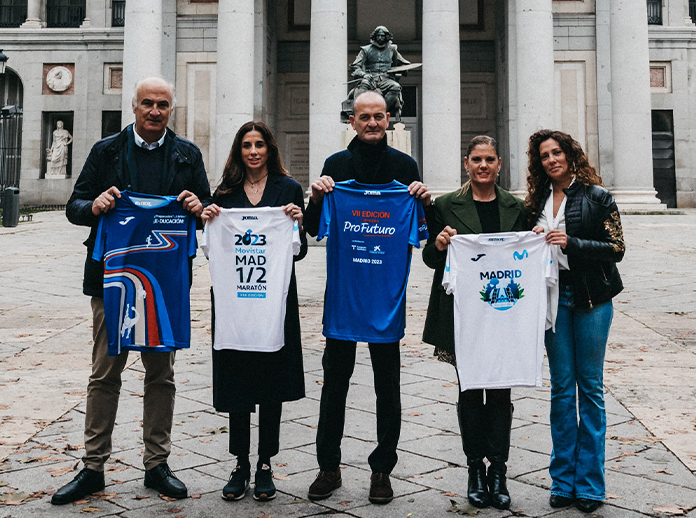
(51,175)
(398,138)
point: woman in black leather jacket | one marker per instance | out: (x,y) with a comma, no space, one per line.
(566,200)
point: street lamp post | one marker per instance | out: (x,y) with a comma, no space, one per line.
(3,62)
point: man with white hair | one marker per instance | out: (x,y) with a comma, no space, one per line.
(148,158)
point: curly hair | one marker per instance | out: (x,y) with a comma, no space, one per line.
(235,170)
(538,180)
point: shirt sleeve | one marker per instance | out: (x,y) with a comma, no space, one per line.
(325,219)
(419,226)
(192,242)
(449,276)
(100,240)
(422,222)
(205,240)
(551,270)
(296,241)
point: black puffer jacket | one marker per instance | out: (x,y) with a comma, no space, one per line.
(595,243)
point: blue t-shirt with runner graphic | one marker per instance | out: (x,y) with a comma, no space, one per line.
(145,242)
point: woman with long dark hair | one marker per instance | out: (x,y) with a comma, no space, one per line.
(566,201)
(480,206)
(254,176)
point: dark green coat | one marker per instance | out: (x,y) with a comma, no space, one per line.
(459,212)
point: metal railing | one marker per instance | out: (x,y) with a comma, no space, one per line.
(10,147)
(65,15)
(654,12)
(12,15)
(118,13)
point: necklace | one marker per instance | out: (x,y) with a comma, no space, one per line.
(252,184)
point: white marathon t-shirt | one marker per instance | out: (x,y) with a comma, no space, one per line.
(499,285)
(250,252)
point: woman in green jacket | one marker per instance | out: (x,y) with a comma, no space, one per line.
(480,206)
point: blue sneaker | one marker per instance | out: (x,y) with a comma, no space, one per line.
(238,484)
(264,489)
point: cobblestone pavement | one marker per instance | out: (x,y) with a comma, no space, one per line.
(45,332)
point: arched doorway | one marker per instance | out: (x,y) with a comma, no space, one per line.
(11,99)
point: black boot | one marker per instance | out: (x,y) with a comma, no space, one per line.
(470,412)
(477,490)
(497,487)
(499,425)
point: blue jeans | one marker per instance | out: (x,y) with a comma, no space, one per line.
(576,360)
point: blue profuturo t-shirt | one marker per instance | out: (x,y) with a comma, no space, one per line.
(145,242)
(368,259)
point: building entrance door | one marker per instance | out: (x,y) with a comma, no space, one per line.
(664,174)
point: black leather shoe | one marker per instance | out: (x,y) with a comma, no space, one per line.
(586,505)
(85,483)
(558,501)
(161,478)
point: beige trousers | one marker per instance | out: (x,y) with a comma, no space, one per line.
(102,399)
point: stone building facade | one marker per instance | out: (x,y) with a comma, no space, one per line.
(613,73)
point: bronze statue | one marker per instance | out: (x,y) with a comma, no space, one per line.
(378,66)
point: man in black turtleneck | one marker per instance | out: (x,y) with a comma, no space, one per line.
(368,160)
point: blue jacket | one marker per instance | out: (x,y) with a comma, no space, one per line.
(106,166)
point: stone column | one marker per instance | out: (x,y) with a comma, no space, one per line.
(142,49)
(328,54)
(534,81)
(604,115)
(234,76)
(442,156)
(34,20)
(630,103)
(95,15)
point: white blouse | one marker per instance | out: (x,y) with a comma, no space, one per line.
(549,222)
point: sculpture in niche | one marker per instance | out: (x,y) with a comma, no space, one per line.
(59,79)
(378,66)
(57,154)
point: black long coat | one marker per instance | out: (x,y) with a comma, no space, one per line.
(243,379)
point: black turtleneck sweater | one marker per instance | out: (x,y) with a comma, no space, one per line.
(365,163)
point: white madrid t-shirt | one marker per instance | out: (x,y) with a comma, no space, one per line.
(499,285)
(250,252)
